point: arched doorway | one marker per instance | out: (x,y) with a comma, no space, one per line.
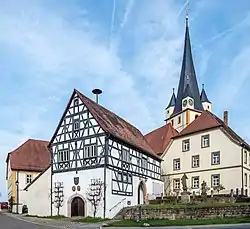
(141,193)
(77,207)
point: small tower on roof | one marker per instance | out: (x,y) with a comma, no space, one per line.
(207,105)
(171,105)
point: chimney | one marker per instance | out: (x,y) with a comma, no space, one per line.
(226,118)
(97,92)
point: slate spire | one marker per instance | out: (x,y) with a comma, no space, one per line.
(187,77)
(204,95)
(172,100)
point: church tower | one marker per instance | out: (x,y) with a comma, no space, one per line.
(189,103)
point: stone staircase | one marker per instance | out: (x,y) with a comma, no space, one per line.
(120,215)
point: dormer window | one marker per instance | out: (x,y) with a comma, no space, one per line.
(179,119)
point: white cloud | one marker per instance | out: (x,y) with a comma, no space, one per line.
(61,56)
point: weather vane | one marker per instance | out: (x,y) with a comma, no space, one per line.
(187,8)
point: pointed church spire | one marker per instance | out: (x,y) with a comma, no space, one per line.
(188,76)
(204,95)
(172,100)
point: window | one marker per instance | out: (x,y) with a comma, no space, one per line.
(195,182)
(144,163)
(125,155)
(176,184)
(177,164)
(76,102)
(185,145)
(245,178)
(63,155)
(196,116)
(28,178)
(90,151)
(195,161)
(172,122)
(215,180)
(245,156)
(215,158)
(205,141)
(76,124)
(179,119)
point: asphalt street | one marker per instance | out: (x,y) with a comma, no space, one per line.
(7,222)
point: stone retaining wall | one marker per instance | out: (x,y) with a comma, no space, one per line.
(188,212)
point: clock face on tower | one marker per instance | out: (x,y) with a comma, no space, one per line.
(184,103)
(191,102)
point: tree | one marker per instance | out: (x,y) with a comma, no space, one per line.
(167,182)
(58,196)
(94,194)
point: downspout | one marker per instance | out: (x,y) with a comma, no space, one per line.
(106,148)
(51,175)
(242,172)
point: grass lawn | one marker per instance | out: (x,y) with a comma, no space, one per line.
(90,220)
(180,222)
(48,217)
(202,205)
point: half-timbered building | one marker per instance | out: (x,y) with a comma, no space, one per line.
(92,145)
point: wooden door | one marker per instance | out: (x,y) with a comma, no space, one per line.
(77,207)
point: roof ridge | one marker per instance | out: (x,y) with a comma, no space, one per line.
(108,110)
(19,146)
(157,129)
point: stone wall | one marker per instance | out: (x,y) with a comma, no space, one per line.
(190,212)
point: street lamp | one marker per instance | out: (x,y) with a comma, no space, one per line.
(17,197)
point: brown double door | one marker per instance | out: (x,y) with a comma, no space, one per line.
(77,207)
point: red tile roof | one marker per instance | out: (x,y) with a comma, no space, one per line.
(207,121)
(113,124)
(203,122)
(32,155)
(160,138)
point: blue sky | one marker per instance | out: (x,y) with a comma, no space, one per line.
(130,49)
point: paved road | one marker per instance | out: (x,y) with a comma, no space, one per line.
(7,222)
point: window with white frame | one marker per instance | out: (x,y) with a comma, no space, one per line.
(185,145)
(245,156)
(215,180)
(125,155)
(28,178)
(63,155)
(195,161)
(205,141)
(245,178)
(215,158)
(195,182)
(90,151)
(177,164)
(76,124)
(176,184)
